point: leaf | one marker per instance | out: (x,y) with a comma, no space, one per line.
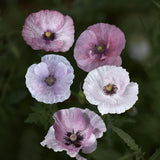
(126,138)
(41,114)
(156,155)
(156,3)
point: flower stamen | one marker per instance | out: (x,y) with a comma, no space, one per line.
(110,89)
(73,139)
(50,80)
(99,49)
(49,36)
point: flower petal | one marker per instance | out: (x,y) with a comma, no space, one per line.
(67,120)
(83,47)
(66,34)
(52,60)
(123,103)
(41,70)
(91,145)
(60,70)
(34,82)
(78,157)
(50,141)
(48,20)
(55,45)
(117,61)
(96,121)
(111,35)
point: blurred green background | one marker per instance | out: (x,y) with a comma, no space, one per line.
(24,122)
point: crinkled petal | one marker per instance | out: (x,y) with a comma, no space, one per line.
(66,34)
(50,141)
(72,153)
(41,70)
(67,120)
(78,157)
(117,61)
(91,145)
(96,63)
(96,121)
(52,60)
(60,71)
(83,47)
(48,20)
(34,82)
(123,103)
(55,45)
(30,30)
(112,36)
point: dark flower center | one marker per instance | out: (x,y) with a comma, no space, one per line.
(50,80)
(99,49)
(74,139)
(110,89)
(49,36)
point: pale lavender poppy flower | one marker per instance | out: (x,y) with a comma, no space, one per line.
(110,88)
(50,80)
(100,44)
(75,129)
(49,30)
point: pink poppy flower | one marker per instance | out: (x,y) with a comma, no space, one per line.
(74,129)
(101,44)
(50,80)
(49,30)
(109,88)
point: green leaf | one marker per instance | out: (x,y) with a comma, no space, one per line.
(42,114)
(156,155)
(156,3)
(126,138)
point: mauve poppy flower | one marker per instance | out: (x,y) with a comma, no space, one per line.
(101,44)
(110,88)
(50,80)
(49,30)
(75,129)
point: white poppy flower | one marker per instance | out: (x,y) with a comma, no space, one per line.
(110,88)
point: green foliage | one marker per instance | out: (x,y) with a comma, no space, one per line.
(42,114)
(156,155)
(126,138)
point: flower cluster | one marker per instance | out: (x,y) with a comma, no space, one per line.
(107,85)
